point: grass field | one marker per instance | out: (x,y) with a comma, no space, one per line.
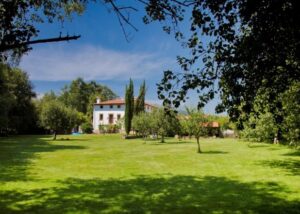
(106,174)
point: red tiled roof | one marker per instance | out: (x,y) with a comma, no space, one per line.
(112,102)
(118,101)
(212,124)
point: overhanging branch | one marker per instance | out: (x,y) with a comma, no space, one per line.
(18,45)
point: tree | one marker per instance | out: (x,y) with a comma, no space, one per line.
(291,108)
(81,95)
(17,111)
(244,46)
(261,128)
(142,124)
(140,101)
(164,123)
(197,125)
(58,118)
(129,106)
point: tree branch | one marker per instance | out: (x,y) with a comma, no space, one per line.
(4,47)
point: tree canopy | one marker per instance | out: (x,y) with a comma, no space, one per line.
(81,95)
(17,112)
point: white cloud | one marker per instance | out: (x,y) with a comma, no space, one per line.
(91,63)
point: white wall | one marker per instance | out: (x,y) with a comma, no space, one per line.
(106,111)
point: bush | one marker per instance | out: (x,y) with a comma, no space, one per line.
(87,128)
(111,128)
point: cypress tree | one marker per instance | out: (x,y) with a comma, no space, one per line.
(140,101)
(129,106)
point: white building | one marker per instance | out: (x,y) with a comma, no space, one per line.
(110,111)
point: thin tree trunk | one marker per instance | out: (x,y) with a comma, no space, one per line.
(54,137)
(162,139)
(198,143)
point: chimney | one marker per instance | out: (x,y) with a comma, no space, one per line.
(98,100)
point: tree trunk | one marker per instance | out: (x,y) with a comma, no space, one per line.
(198,143)
(162,139)
(54,136)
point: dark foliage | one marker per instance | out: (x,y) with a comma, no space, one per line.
(129,106)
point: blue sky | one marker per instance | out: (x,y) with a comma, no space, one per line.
(103,54)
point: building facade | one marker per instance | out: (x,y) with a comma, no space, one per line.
(110,112)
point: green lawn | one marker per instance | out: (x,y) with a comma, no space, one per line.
(106,174)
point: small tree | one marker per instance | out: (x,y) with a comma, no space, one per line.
(185,126)
(196,124)
(164,123)
(57,117)
(141,123)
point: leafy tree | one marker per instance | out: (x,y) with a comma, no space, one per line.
(260,128)
(6,97)
(142,123)
(56,117)
(129,106)
(291,108)
(81,95)
(140,101)
(244,46)
(185,126)
(164,123)
(197,124)
(17,111)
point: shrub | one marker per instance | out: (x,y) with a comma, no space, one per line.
(87,128)
(111,128)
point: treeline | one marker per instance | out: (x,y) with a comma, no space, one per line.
(22,113)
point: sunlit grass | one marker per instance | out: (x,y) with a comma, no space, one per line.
(94,173)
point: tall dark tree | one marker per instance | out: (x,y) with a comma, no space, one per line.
(129,106)
(140,101)
(17,112)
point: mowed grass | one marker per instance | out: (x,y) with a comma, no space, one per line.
(107,174)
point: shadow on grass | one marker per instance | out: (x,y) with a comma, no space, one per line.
(171,142)
(70,139)
(294,153)
(289,165)
(177,194)
(213,152)
(256,145)
(16,154)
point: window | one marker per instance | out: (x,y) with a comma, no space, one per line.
(111,106)
(101,117)
(110,118)
(101,106)
(119,106)
(118,116)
